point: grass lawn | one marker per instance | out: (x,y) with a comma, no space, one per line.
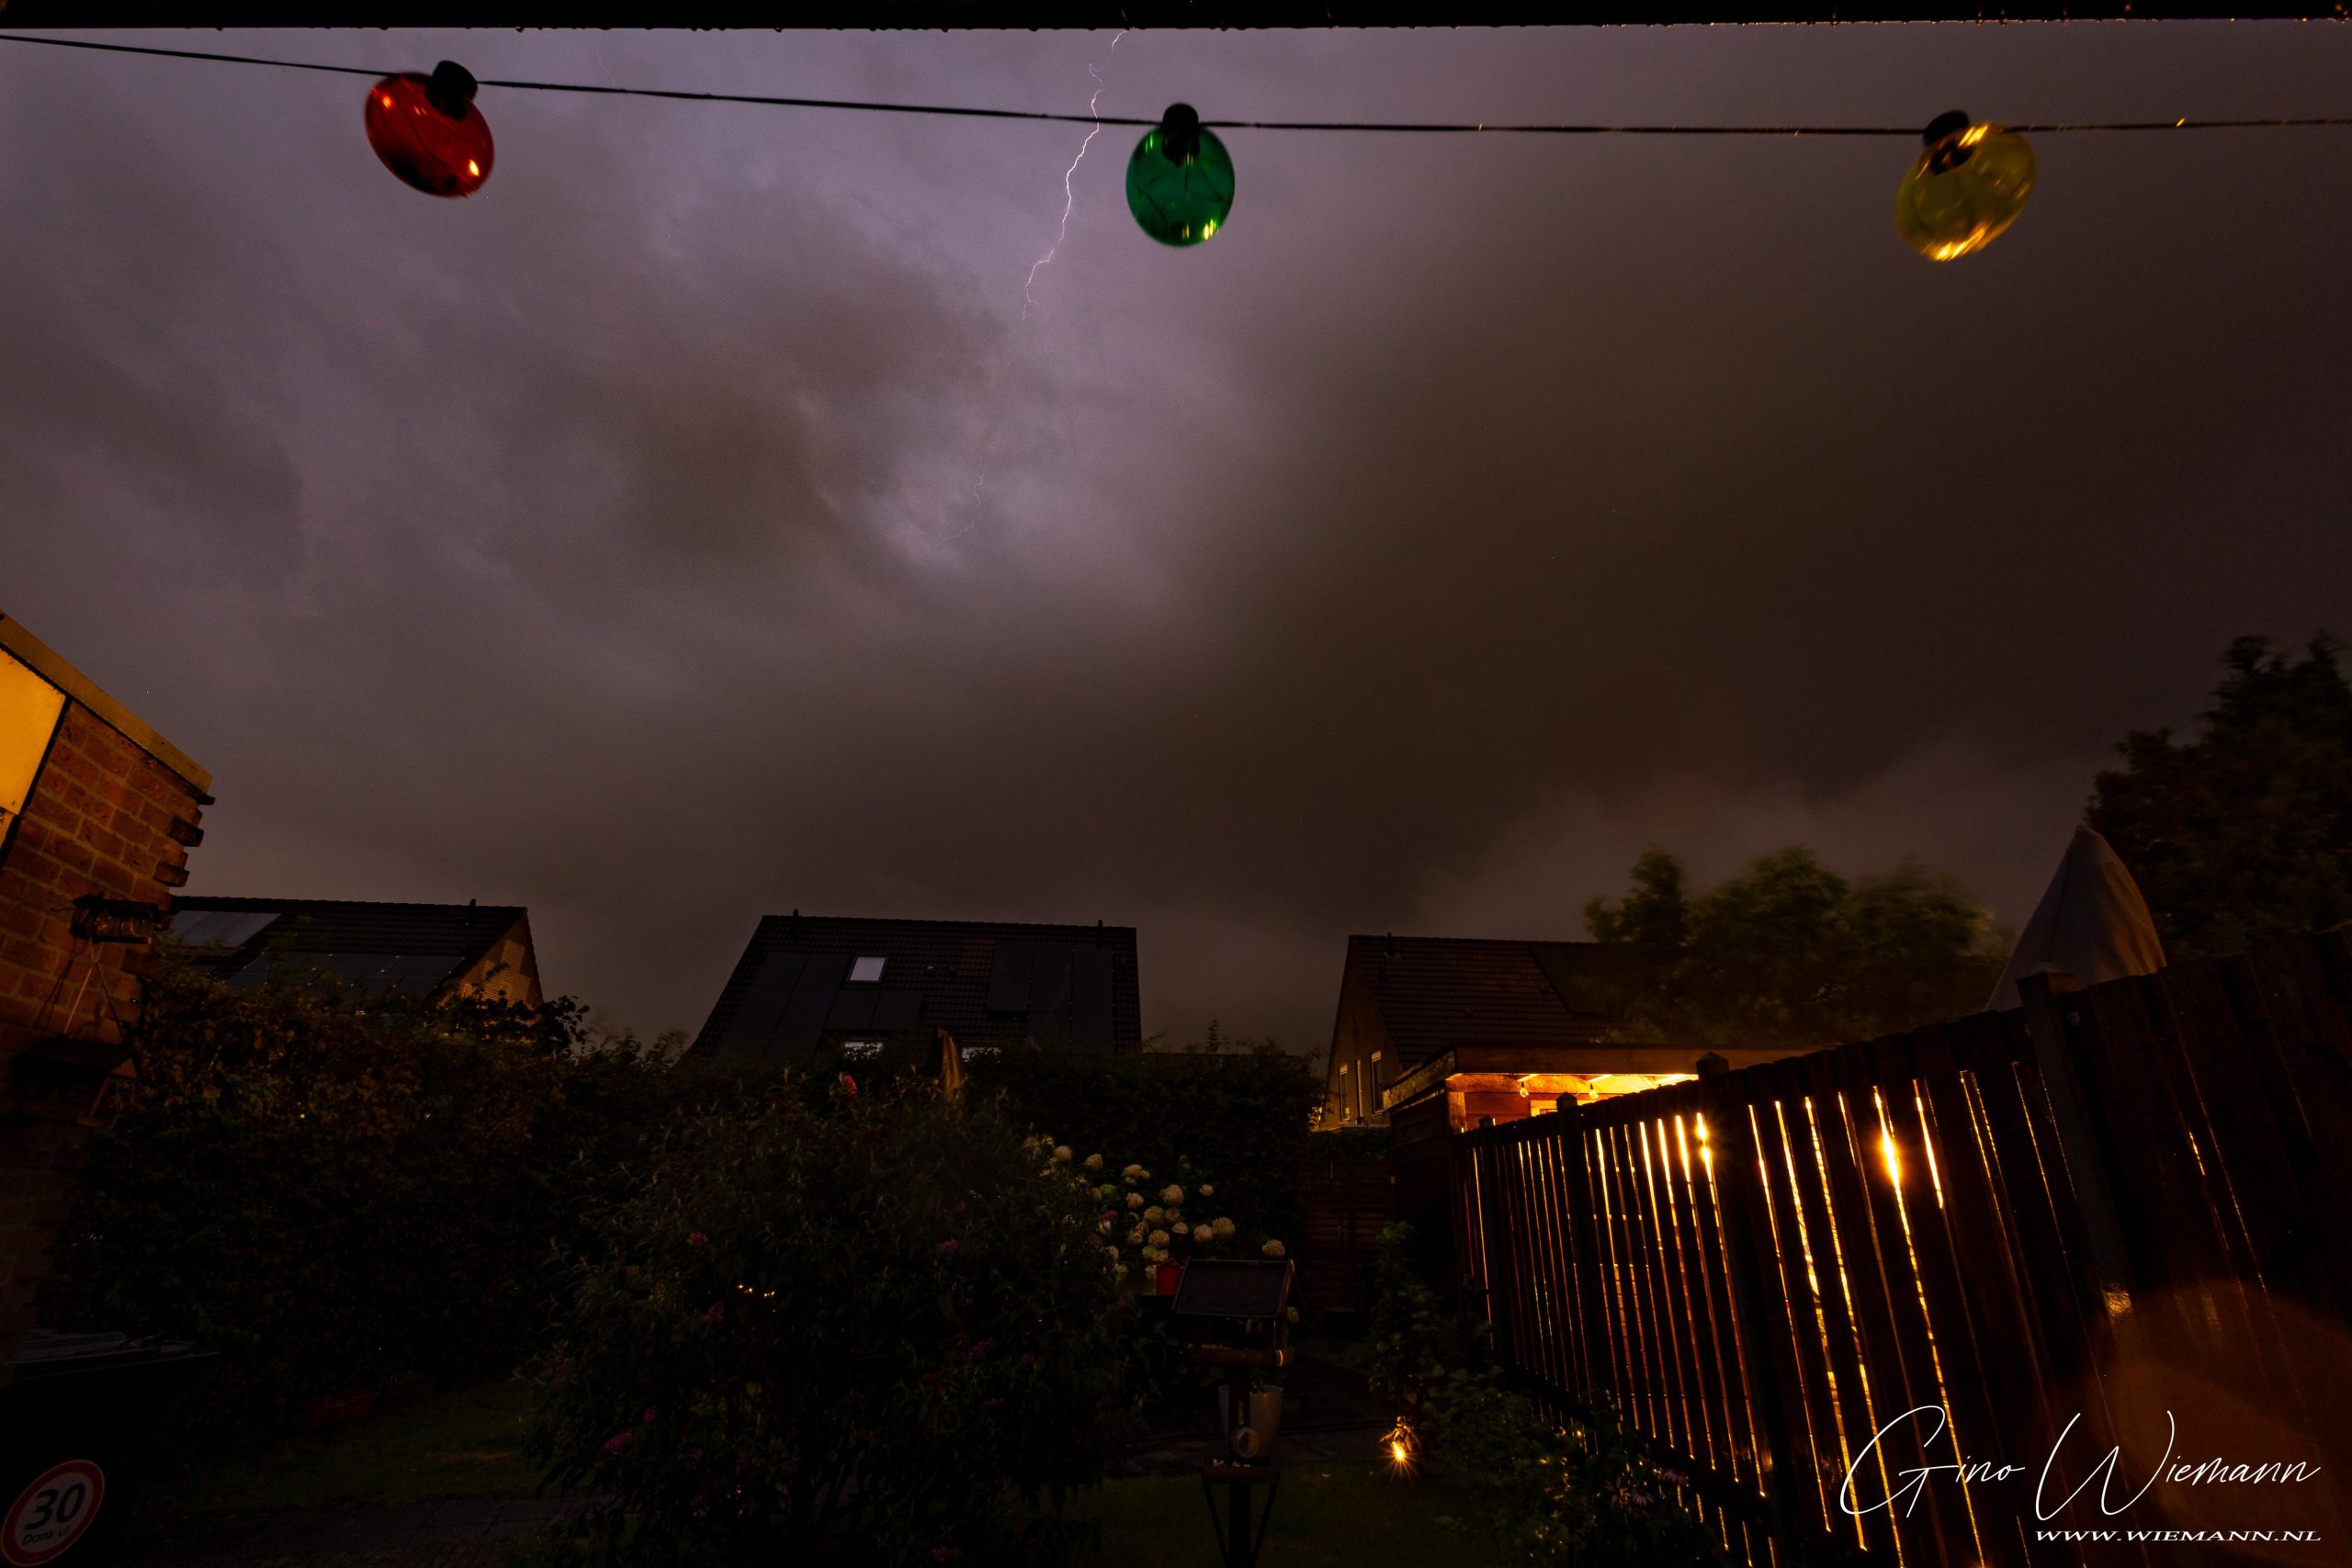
(465,1443)
(469,1443)
(1339,1516)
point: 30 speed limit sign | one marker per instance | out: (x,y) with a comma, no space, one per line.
(52,1513)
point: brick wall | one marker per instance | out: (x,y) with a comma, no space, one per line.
(112,812)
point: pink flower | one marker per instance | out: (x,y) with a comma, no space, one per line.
(715,1314)
(617,1441)
(948,1245)
(849,1084)
(648,1415)
(697,1239)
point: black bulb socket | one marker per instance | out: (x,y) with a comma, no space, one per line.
(451,89)
(1180,133)
(1942,141)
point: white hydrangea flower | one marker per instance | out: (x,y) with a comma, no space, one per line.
(1134,1200)
(1207,1191)
(1180,1228)
(1159,1238)
(1272,1249)
(1061,1154)
(1222,1225)
(1155,1214)
(1171,1194)
(1094,1162)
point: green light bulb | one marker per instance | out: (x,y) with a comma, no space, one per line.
(1179,182)
(1965,189)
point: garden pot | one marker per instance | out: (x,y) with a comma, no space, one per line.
(1261,1422)
(1169,1277)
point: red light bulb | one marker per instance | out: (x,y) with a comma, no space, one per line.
(427,131)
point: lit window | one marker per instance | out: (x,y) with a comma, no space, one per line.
(29,707)
(865,970)
(861,1047)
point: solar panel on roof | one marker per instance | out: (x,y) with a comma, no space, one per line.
(752,1028)
(1090,1027)
(850,1009)
(219,927)
(1010,969)
(812,997)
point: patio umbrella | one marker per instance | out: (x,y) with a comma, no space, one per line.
(2091,923)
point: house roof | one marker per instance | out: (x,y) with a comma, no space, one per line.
(1434,992)
(419,949)
(985,982)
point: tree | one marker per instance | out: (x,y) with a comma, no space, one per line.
(1790,953)
(2243,833)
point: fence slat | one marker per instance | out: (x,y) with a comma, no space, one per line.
(2001,1217)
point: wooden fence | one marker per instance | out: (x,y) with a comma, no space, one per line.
(1346,1203)
(2112,1204)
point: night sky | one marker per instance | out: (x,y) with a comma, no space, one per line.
(693,526)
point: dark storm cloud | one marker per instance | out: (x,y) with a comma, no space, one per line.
(693,525)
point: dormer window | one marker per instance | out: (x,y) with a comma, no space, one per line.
(865,971)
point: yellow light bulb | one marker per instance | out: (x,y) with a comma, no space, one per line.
(1964,190)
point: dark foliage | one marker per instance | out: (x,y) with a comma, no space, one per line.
(1241,1119)
(1545,1486)
(2243,833)
(330,1189)
(1349,1144)
(882,1331)
(1790,953)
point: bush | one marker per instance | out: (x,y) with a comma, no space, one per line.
(1578,1486)
(880,1331)
(327,1189)
(1242,1120)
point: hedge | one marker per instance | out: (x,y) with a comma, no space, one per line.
(1240,1120)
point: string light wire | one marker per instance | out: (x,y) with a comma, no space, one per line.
(1409,127)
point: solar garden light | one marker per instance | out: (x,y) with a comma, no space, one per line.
(1240,1309)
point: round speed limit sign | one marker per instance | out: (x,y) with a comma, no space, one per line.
(52,1513)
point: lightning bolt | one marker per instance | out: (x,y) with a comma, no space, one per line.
(1069,195)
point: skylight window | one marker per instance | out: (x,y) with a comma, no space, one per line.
(865,970)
